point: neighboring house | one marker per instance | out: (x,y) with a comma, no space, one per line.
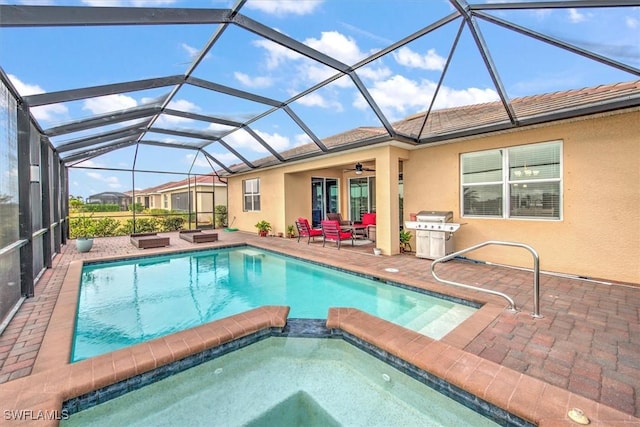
(112,198)
(199,194)
(569,188)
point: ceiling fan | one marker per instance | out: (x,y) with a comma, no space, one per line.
(359,169)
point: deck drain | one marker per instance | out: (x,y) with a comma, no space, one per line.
(578,416)
(391,270)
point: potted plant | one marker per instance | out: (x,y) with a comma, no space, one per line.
(405,237)
(291,231)
(264,227)
(82,227)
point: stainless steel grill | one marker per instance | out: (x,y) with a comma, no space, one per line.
(434,233)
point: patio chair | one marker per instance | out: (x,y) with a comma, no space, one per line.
(331,231)
(305,230)
(335,216)
(369,220)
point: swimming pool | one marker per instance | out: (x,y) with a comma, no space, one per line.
(286,381)
(126,302)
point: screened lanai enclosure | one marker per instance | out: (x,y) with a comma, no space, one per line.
(130,99)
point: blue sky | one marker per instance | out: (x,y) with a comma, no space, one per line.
(401,83)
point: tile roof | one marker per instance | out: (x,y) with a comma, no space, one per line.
(198,179)
(450,123)
(527,108)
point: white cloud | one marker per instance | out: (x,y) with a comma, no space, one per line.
(331,43)
(218,129)
(285,7)
(184,105)
(226,158)
(541,13)
(179,105)
(374,72)
(109,103)
(576,17)
(50,113)
(632,22)
(44,113)
(94,175)
(313,72)
(399,96)
(243,140)
(201,161)
(429,61)
(91,164)
(276,54)
(337,45)
(111,181)
(256,82)
(191,51)
(449,97)
(301,139)
(275,140)
(25,89)
(315,99)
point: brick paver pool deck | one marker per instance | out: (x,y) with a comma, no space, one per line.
(587,343)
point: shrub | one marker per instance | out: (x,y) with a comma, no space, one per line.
(105,227)
(125,228)
(221,215)
(137,207)
(171,223)
(101,207)
(81,226)
(143,225)
(157,211)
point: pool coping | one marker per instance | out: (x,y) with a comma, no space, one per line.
(55,380)
(57,345)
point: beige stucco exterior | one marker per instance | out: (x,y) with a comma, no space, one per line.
(598,235)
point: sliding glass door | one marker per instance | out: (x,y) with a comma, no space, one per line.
(324,198)
(362,197)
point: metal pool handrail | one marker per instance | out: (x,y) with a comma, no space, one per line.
(536,274)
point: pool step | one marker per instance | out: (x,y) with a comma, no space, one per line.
(434,322)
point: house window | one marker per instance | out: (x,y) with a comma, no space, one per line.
(165,201)
(180,201)
(251,194)
(515,182)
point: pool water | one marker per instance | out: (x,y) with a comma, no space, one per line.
(126,302)
(284,382)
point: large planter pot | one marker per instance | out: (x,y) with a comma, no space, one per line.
(83,244)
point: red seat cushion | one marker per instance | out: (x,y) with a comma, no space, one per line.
(345,235)
(369,219)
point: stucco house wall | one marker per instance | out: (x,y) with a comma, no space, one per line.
(598,235)
(285,191)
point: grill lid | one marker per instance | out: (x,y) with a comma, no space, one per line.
(435,216)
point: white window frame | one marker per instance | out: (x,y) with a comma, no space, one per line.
(253,192)
(506,182)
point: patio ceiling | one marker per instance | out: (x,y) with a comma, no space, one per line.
(259,88)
